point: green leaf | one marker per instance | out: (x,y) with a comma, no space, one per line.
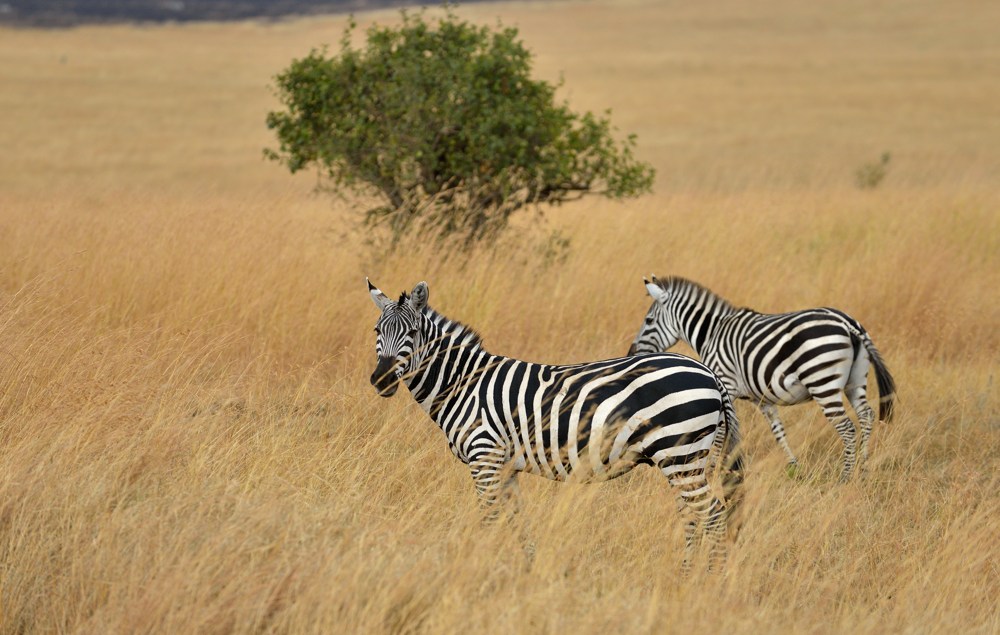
(445,125)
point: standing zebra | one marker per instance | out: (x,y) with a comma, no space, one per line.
(781,359)
(595,420)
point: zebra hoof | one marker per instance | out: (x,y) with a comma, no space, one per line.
(792,470)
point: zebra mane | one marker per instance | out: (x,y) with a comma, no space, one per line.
(455,330)
(677,283)
(452,328)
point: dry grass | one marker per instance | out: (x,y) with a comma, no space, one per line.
(188,441)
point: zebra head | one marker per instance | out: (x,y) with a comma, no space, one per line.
(659,332)
(396,335)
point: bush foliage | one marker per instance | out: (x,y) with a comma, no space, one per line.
(870,175)
(443,124)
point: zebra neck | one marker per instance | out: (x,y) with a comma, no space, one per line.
(700,320)
(449,362)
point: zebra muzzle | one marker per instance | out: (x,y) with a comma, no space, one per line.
(384,378)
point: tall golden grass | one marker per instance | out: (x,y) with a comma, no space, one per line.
(188,440)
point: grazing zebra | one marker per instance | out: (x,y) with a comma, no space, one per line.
(774,360)
(595,420)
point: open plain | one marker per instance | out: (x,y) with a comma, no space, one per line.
(188,439)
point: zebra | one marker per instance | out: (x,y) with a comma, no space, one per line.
(773,360)
(594,421)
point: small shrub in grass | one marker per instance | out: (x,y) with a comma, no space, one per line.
(870,175)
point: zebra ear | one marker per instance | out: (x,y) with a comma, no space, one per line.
(380,299)
(418,299)
(654,290)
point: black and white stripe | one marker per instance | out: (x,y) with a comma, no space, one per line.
(774,360)
(592,421)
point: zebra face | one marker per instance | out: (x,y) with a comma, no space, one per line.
(396,334)
(658,332)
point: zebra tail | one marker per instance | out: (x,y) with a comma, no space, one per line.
(886,384)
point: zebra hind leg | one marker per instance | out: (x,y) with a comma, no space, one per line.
(866,419)
(833,407)
(857,394)
(695,496)
(778,430)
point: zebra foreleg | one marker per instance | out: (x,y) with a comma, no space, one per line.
(491,483)
(510,499)
(778,430)
(496,484)
(510,492)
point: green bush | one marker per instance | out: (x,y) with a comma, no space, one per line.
(442,123)
(870,175)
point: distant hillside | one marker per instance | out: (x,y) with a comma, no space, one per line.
(56,13)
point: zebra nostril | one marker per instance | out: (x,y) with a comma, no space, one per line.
(383,371)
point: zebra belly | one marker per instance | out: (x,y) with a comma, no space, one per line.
(584,472)
(599,421)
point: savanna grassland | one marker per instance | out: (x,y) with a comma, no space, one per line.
(188,439)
